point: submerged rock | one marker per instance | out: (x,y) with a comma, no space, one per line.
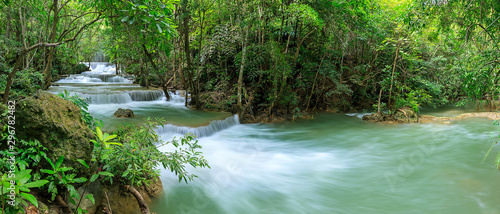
(489,115)
(56,123)
(124,113)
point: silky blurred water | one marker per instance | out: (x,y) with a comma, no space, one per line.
(334,163)
(341,164)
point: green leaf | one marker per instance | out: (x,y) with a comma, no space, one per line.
(48,171)
(59,162)
(99,133)
(52,187)
(109,137)
(36,184)
(64,169)
(80,180)
(124,19)
(83,162)
(131,21)
(24,189)
(30,198)
(21,175)
(94,177)
(143,6)
(72,191)
(106,174)
(90,197)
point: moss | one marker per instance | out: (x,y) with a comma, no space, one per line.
(56,123)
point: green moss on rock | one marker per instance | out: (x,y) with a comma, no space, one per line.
(57,124)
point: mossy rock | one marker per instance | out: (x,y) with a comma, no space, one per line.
(405,115)
(124,113)
(56,123)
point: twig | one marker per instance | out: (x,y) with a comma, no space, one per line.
(107,199)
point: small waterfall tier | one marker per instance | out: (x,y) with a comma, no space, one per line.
(99,73)
(203,131)
(124,97)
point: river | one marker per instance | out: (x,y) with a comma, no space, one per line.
(334,163)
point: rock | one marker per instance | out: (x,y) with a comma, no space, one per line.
(154,189)
(489,115)
(96,190)
(374,117)
(124,113)
(56,123)
(405,115)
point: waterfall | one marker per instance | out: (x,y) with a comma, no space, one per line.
(177,98)
(101,72)
(145,95)
(115,98)
(203,131)
(124,97)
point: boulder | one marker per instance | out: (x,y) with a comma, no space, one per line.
(56,123)
(124,113)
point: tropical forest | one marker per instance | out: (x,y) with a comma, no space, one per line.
(249,106)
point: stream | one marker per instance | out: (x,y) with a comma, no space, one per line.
(335,163)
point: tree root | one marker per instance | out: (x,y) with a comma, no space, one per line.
(142,204)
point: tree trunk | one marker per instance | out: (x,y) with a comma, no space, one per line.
(187,51)
(47,80)
(379,98)
(11,75)
(392,75)
(240,77)
(314,82)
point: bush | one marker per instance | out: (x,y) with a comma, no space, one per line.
(134,158)
(26,83)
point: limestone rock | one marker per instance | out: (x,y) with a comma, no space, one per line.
(374,117)
(405,115)
(124,113)
(56,123)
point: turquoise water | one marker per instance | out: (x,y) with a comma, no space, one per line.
(334,163)
(341,164)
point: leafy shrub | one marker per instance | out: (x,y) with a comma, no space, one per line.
(135,159)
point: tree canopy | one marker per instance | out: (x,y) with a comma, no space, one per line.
(266,57)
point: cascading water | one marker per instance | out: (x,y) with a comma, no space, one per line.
(339,164)
(332,164)
(203,131)
(107,92)
(123,97)
(100,73)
